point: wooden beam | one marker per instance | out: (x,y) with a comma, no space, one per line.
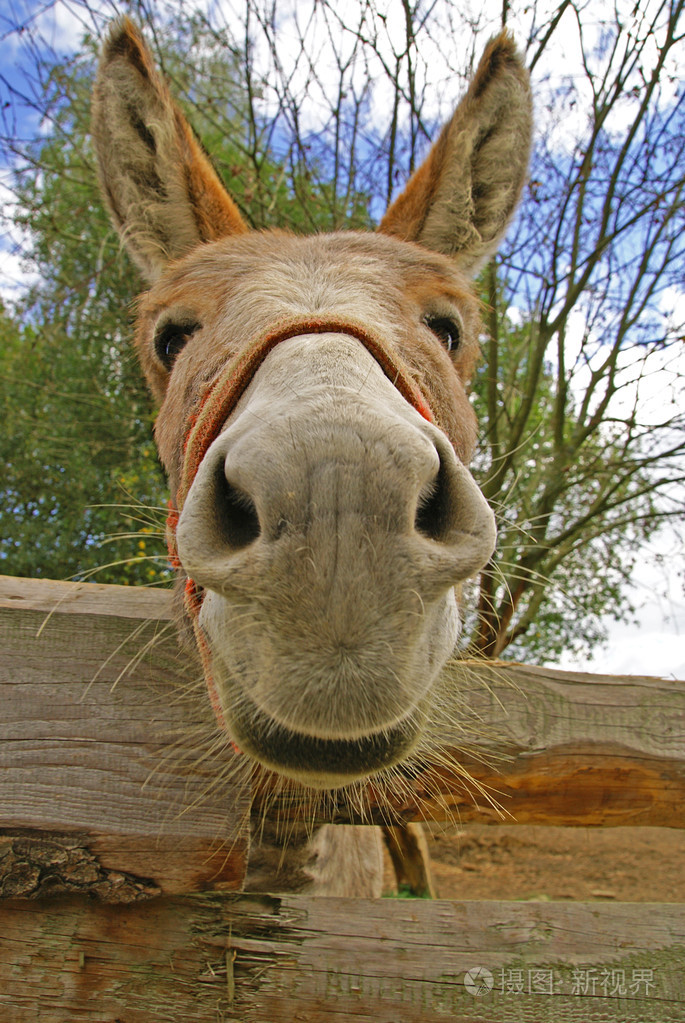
(108,746)
(259,959)
(563,748)
(107,778)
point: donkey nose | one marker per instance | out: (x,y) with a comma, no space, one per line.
(395,492)
(454,516)
(237,521)
(439,513)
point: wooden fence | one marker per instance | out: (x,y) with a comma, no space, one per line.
(122,853)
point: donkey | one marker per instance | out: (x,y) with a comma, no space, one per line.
(315,427)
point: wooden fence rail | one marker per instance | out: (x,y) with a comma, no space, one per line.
(260,959)
(110,786)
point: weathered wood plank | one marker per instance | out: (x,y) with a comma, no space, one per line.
(99,721)
(569,748)
(51,595)
(102,738)
(269,960)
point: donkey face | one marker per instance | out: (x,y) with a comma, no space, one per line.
(314,422)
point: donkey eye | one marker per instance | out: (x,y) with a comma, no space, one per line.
(447,329)
(171,338)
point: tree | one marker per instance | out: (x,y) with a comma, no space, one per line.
(315,113)
(592,271)
(76,446)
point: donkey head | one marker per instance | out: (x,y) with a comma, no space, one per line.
(314,421)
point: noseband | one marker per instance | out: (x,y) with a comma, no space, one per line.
(217,404)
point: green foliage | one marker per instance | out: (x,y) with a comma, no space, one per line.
(77,417)
(404,891)
(76,442)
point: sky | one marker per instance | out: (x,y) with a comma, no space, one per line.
(656,646)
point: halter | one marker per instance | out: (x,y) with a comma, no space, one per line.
(217,403)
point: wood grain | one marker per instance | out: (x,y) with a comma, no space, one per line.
(106,734)
(566,748)
(103,740)
(110,785)
(276,960)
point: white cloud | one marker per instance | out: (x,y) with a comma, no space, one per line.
(656,645)
(640,651)
(61,26)
(14,277)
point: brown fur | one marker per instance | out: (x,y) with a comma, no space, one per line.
(405,281)
(460,200)
(164,196)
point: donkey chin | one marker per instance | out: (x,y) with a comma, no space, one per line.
(321,713)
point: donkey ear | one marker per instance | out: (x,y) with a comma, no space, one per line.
(461,199)
(164,196)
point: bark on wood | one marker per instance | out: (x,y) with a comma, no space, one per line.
(268,960)
(35,866)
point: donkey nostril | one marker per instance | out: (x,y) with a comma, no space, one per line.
(236,514)
(433,518)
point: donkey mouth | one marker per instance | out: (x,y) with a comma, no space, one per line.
(319,762)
